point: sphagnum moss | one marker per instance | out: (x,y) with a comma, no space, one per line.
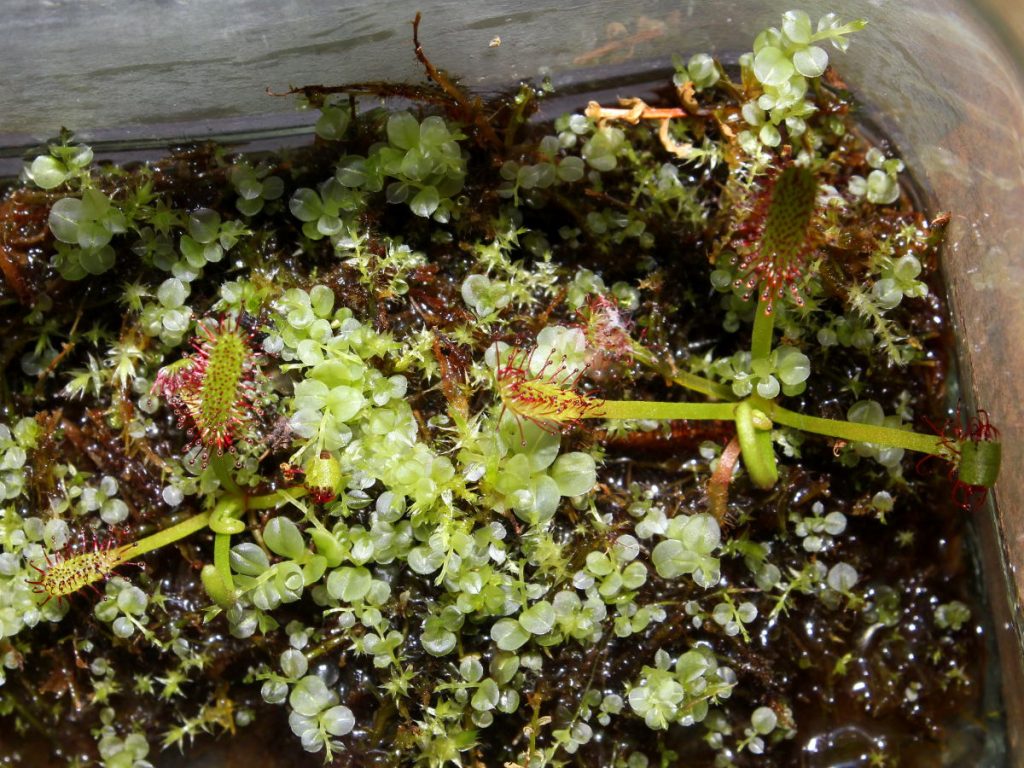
(368,500)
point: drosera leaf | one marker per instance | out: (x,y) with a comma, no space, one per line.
(215,392)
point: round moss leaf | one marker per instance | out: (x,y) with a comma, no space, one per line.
(65,217)
(47,172)
(575,473)
(283,538)
(797,26)
(811,61)
(571,169)
(305,205)
(772,66)
(438,642)
(403,130)
(344,402)
(248,559)
(309,696)
(349,584)
(764,720)
(294,663)
(204,225)
(538,619)
(545,496)
(333,123)
(701,533)
(338,720)
(671,559)
(425,202)
(509,635)
(99,260)
(842,577)
(486,696)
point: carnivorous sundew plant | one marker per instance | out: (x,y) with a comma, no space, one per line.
(472,434)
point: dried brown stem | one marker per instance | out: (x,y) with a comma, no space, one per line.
(632,111)
(471,109)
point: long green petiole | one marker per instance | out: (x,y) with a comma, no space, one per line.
(754,432)
(65,575)
(752,427)
(222,560)
(163,538)
(645,409)
(548,401)
(764,325)
(853,431)
(221,466)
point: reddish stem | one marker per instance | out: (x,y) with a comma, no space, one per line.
(718,483)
